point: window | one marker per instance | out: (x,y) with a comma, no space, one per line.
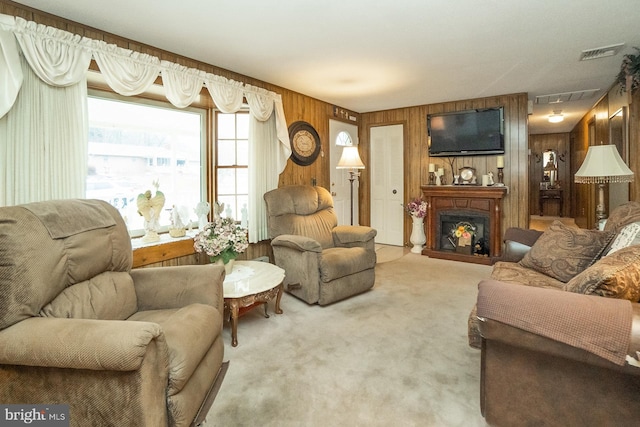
(232,163)
(134,143)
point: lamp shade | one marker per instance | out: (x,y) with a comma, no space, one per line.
(350,159)
(603,164)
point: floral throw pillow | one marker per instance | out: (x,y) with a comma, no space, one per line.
(562,252)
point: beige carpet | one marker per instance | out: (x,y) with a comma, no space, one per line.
(395,355)
(386,253)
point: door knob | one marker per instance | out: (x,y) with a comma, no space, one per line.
(395,191)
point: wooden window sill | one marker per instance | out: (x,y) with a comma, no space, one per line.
(165,249)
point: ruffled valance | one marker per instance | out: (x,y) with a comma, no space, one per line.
(61,58)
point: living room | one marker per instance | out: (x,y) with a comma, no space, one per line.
(581,200)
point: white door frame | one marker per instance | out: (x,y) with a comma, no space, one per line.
(339,178)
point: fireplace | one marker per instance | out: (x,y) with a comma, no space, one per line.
(476,206)
(449,221)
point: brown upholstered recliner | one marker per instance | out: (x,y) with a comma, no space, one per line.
(323,262)
(121,347)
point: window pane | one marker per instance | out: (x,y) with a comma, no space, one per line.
(229,206)
(242,181)
(226,152)
(226,124)
(243,152)
(243,126)
(232,162)
(136,143)
(226,181)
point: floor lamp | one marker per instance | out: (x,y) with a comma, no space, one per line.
(351,160)
(603,165)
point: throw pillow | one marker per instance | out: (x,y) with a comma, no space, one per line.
(616,276)
(629,235)
(562,251)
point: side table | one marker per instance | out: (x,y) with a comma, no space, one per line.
(251,283)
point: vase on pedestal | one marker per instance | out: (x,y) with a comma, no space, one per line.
(417,238)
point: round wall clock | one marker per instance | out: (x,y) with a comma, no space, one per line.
(305,143)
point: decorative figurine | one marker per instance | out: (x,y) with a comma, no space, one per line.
(202,210)
(150,208)
(177,228)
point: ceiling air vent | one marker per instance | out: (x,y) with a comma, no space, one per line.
(601,52)
(556,98)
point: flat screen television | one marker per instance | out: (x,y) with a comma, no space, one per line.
(466,133)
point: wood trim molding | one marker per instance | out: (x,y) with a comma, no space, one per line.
(162,252)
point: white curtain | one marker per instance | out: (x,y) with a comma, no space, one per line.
(43,142)
(266,155)
(44,135)
(226,94)
(126,72)
(183,85)
(10,70)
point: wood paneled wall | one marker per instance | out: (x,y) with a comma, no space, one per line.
(559,142)
(416,156)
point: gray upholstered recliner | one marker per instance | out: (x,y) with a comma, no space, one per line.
(323,262)
(121,347)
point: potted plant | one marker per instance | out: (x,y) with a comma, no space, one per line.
(223,240)
(629,75)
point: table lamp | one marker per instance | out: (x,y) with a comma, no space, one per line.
(601,166)
(351,160)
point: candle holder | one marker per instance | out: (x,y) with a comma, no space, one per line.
(500,177)
(432,178)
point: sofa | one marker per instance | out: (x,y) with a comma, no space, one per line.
(558,326)
(323,262)
(79,327)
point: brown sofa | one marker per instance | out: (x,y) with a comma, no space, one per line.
(554,351)
(121,347)
(323,262)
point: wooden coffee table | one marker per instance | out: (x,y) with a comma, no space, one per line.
(251,283)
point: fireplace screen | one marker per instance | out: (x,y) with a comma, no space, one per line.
(466,233)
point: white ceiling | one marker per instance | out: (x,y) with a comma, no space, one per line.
(371,55)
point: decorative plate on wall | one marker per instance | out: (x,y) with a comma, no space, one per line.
(305,143)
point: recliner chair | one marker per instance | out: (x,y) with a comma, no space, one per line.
(323,262)
(121,347)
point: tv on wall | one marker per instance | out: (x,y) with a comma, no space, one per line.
(466,133)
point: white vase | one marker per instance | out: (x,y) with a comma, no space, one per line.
(228,267)
(418,238)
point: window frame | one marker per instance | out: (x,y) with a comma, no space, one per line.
(216,166)
(155,98)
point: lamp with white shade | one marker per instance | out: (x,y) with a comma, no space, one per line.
(351,160)
(601,166)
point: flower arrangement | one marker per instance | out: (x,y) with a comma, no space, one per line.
(416,207)
(221,239)
(629,75)
(464,230)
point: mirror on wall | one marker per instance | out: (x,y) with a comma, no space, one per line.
(619,193)
(618,131)
(549,169)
